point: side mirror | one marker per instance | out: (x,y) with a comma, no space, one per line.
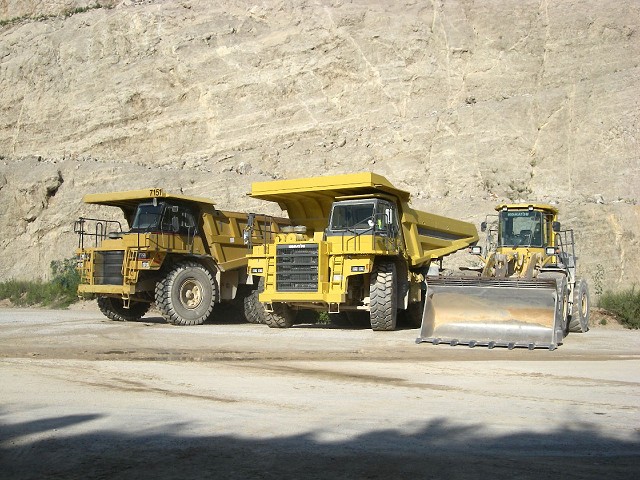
(555,226)
(483,227)
(175,224)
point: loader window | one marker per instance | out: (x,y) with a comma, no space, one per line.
(520,228)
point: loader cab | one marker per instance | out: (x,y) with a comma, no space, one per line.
(163,217)
(358,216)
(522,228)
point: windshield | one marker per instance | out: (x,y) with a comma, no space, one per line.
(352,216)
(163,218)
(520,228)
(147,217)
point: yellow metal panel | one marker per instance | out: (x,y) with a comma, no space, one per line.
(536,206)
(118,199)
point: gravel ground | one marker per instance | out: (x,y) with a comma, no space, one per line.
(85,397)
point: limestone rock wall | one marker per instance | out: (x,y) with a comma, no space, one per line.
(465,104)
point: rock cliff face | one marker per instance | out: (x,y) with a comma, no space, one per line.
(465,104)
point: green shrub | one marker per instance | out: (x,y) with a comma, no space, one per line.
(65,280)
(59,292)
(625,305)
(323,318)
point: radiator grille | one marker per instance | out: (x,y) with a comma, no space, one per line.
(108,267)
(297,267)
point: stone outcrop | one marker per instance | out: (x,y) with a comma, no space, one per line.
(464,104)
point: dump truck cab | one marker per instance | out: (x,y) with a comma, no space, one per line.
(361,214)
(355,246)
(176,251)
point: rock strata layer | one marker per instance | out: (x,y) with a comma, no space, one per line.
(464,104)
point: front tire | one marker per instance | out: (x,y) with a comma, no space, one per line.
(113,308)
(281,317)
(383,296)
(579,322)
(187,294)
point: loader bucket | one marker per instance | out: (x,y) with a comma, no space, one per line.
(494,312)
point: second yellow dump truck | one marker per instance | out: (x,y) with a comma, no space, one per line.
(177,251)
(354,245)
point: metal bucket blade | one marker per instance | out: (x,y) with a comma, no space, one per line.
(491,313)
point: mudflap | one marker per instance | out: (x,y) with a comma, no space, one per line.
(491,312)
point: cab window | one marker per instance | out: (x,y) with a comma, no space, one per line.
(521,228)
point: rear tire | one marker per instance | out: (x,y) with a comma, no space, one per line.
(187,294)
(413,314)
(253,309)
(579,322)
(281,317)
(113,308)
(383,296)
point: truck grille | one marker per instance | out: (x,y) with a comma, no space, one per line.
(107,267)
(297,267)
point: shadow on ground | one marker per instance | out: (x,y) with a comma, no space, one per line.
(437,449)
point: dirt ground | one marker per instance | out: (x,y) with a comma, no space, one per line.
(84,397)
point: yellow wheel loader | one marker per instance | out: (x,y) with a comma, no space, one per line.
(355,249)
(525,293)
(175,250)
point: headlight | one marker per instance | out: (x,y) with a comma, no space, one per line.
(550,250)
(357,268)
(256,270)
(143,255)
(476,250)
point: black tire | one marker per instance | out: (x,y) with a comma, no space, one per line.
(113,308)
(281,317)
(253,309)
(187,294)
(579,322)
(413,314)
(563,291)
(383,296)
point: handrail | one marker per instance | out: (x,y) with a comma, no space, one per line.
(101,230)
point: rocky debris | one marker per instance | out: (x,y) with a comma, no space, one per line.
(464,105)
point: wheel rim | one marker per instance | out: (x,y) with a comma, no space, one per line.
(191,294)
(583,305)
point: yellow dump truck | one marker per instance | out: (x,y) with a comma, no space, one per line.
(525,292)
(177,251)
(354,245)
